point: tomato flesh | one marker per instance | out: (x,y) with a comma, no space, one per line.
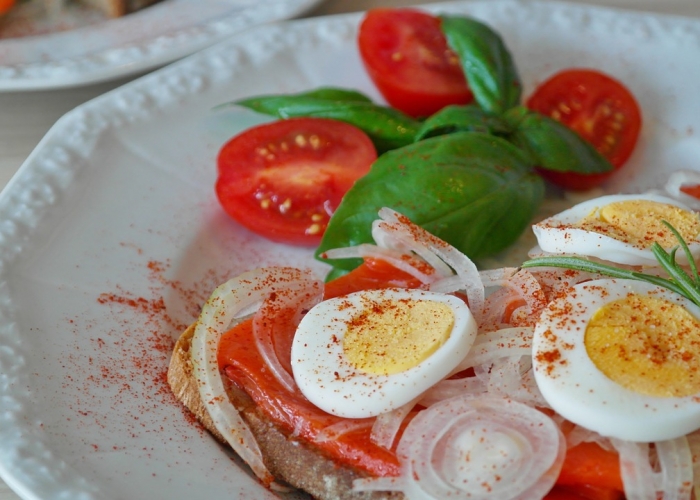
(600,109)
(407,57)
(283,180)
(691,190)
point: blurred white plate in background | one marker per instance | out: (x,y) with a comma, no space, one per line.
(80,47)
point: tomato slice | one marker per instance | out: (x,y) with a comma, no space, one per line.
(600,109)
(283,180)
(406,55)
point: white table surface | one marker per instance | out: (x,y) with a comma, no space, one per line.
(26,116)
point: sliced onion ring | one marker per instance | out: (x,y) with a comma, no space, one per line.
(299,295)
(498,344)
(386,425)
(394,230)
(477,448)
(392,256)
(229,301)
(673,481)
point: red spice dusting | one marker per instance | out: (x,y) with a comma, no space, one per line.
(123,371)
(549,358)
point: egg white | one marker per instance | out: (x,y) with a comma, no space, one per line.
(331,382)
(576,389)
(556,236)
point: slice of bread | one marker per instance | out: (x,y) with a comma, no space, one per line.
(290,460)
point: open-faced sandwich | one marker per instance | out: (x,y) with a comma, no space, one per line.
(417,376)
(410,373)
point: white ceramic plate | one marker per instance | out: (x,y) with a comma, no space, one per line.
(79,46)
(111,238)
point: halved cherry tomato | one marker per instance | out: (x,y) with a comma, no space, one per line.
(407,57)
(283,180)
(601,109)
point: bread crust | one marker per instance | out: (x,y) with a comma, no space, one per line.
(290,460)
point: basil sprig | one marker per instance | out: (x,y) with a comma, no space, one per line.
(486,61)
(473,190)
(451,119)
(679,281)
(466,173)
(388,128)
(552,145)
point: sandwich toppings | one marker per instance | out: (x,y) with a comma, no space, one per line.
(555,383)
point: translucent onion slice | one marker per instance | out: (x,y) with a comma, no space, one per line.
(450,388)
(387,425)
(494,308)
(556,280)
(299,295)
(578,435)
(672,480)
(394,230)
(492,346)
(694,444)
(525,286)
(394,236)
(229,301)
(477,448)
(513,378)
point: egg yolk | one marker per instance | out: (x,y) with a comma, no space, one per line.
(646,344)
(391,336)
(638,222)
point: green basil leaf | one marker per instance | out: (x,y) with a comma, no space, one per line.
(268,105)
(487,63)
(557,147)
(473,190)
(456,118)
(387,127)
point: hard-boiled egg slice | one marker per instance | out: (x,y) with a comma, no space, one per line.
(370,352)
(619,228)
(622,358)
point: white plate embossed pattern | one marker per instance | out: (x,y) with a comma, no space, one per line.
(131,44)
(110,236)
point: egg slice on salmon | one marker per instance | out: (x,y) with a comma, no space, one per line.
(373,351)
(620,228)
(622,358)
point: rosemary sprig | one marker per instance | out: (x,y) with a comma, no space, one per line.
(679,281)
